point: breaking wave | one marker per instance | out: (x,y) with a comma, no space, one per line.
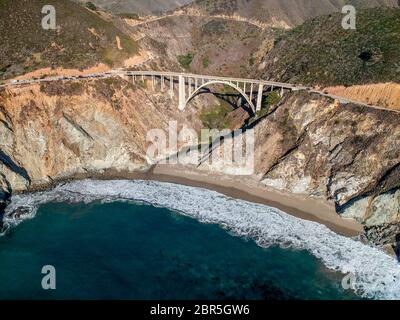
(374,274)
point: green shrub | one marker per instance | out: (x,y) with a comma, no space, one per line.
(142,84)
(229,90)
(216,117)
(91,6)
(133,16)
(214,27)
(129,45)
(185,60)
(273,98)
(263,112)
(111,81)
(3,68)
(206,62)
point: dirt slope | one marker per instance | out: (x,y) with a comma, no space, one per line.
(82,38)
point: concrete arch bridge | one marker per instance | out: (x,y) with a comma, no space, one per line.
(190,85)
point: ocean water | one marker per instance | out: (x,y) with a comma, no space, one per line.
(152,240)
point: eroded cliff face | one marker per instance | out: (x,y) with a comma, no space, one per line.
(307,144)
(346,154)
(60,129)
(386,95)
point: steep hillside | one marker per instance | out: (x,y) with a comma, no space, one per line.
(82,39)
(320,52)
(140,7)
(290,12)
(380,94)
(216,40)
(207,45)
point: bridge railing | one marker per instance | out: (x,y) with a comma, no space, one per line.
(211,78)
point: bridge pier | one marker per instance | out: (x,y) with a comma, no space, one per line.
(171,86)
(189,87)
(182,92)
(259,97)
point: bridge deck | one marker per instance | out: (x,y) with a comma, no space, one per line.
(208,77)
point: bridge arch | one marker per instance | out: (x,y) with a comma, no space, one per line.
(230,84)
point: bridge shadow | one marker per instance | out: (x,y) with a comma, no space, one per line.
(2,213)
(10,164)
(235,100)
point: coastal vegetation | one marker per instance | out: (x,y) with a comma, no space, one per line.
(217,116)
(72,45)
(206,61)
(186,60)
(271,99)
(321,52)
(91,6)
(133,16)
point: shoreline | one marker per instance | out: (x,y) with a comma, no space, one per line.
(238,187)
(243,188)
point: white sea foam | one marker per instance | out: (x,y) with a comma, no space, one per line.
(376,274)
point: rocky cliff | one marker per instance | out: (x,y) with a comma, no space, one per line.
(60,129)
(306,144)
(346,154)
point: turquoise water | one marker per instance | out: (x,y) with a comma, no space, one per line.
(125,250)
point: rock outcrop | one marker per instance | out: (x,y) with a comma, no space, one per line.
(346,154)
(60,129)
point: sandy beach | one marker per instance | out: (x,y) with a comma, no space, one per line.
(248,189)
(244,188)
(239,187)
